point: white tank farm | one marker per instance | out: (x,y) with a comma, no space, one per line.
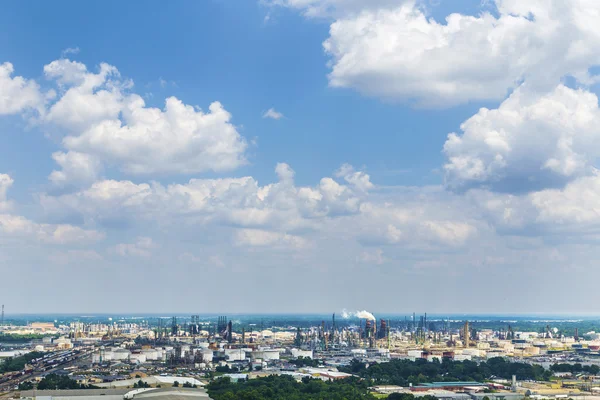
(235,354)
(473,352)
(415,353)
(151,355)
(462,357)
(121,354)
(265,355)
(207,355)
(139,357)
(302,353)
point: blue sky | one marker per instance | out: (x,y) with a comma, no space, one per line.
(108,185)
(216,50)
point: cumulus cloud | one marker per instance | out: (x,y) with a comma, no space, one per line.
(357,179)
(577,203)
(76,168)
(18,94)
(12,225)
(273,114)
(106,124)
(236,201)
(555,214)
(394,50)
(179,139)
(529,143)
(257,237)
(417,221)
(86,98)
(18,226)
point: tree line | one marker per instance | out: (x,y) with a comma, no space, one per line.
(18,363)
(576,368)
(286,387)
(404,372)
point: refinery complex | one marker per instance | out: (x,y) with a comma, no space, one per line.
(162,352)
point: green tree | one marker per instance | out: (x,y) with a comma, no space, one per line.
(26,385)
(176,384)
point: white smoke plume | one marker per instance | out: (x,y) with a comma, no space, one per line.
(364,314)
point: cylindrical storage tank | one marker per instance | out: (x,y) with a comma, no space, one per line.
(265,355)
(207,355)
(141,358)
(121,355)
(415,353)
(151,355)
(235,354)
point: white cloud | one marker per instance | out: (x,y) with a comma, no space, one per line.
(12,225)
(179,139)
(237,201)
(419,221)
(257,237)
(18,226)
(5,183)
(577,204)
(141,248)
(86,98)
(448,232)
(332,8)
(18,94)
(569,213)
(108,125)
(357,179)
(394,50)
(272,114)
(77,168)
(70,50)
(285,173)
(530,142)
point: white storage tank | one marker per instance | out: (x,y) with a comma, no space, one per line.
(266,355)
(302,353)
(235,354)
(207,355)
(415,353)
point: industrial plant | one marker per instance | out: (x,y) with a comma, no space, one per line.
(119,353)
